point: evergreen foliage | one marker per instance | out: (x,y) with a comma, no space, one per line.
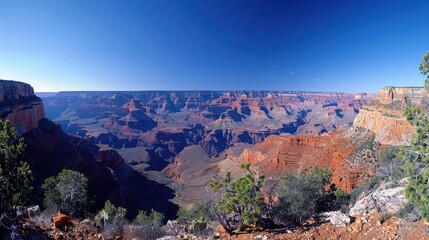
(242,203)
(15,174)
(424,68)
(154,218)
(391,164)
(417,157)
(200,212)
(111,220)
(110,214)
(300,194)
(67,192)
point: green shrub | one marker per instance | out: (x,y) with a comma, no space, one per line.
(67,193)
(300,194)
(391,164)
(241,202)
(409,212)
(203,212)
(384,217)
(424,69)
(371,185)
(15,174)
(417,157)
(154,218)
(354,195)
(111,220)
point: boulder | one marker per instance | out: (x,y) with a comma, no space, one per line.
(60,220)
(337,218)
(383,199)
(33,211)
(21,212)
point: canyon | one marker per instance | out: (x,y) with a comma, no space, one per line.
(150,128)
(49,150)
(351,153)
(148,149)
(184,139)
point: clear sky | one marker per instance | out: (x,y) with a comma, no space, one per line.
(355,45)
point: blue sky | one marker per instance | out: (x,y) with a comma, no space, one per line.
(213,44)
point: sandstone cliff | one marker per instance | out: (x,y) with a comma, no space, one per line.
(385,116)
(19,105)
(277,155)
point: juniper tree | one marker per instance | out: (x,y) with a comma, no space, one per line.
(417,156)
(424,69)
(300,193)
(15,174)
(67,192)
(242,203)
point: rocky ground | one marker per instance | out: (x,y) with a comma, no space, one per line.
(364,227)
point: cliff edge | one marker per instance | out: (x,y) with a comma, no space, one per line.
(20,105)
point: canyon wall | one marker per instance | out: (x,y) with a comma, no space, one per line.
(277,155)
(19,105)
(385,118)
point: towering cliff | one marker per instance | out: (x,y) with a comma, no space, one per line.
(19,105)
(385,116)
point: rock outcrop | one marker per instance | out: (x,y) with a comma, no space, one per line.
(336,218)
(390,128)
(390,95)
(277,155)
(385,116)
(383,199)
(19,105)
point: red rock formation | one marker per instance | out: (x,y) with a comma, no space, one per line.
(60,220)
(277,155)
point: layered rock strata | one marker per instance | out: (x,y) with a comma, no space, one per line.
(19,105)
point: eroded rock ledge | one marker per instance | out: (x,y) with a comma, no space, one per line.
(20,105)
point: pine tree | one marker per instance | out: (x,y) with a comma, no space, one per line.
(242,202)
(67,192)
(15,174)
(424,69)
(417,157)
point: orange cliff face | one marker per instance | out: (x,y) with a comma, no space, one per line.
(277,155)
(19,105)
(385,116)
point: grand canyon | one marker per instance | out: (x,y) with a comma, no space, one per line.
(201,120)
(160,150)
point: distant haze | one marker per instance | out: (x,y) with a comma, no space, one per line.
(346,46)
